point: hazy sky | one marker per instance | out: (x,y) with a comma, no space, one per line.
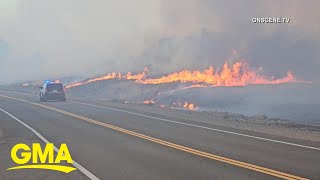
(41,39)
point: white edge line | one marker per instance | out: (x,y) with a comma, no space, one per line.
(75,164)
(203,127)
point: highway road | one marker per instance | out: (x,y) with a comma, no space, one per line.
(110,143)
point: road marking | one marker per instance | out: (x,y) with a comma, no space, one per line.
(202,127)
(169,144)
(75,164)
(192,125)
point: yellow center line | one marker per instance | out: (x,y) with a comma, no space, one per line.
(169,144)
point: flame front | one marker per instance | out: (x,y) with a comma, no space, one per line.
(109,76)
(238,74)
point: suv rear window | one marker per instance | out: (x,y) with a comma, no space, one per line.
(58,87)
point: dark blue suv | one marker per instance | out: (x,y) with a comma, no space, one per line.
(52,91)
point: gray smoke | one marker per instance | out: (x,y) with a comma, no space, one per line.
(87,38)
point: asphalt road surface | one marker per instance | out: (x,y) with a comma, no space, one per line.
(110,143)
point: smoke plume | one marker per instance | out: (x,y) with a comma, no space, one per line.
(41,39)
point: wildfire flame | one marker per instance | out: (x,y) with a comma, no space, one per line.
(189,106)
(238,74)
(149,102)
(185,105)
(109,76)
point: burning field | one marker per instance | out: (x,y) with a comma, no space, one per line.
(220,89)
(237,74)
(236,88)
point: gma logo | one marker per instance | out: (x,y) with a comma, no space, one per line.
(36,158)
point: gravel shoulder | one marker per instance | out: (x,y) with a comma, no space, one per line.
(261,124)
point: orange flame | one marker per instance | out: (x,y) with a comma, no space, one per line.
(185,105)
(109,76)
(189,106)
(149,102)
(239,74)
